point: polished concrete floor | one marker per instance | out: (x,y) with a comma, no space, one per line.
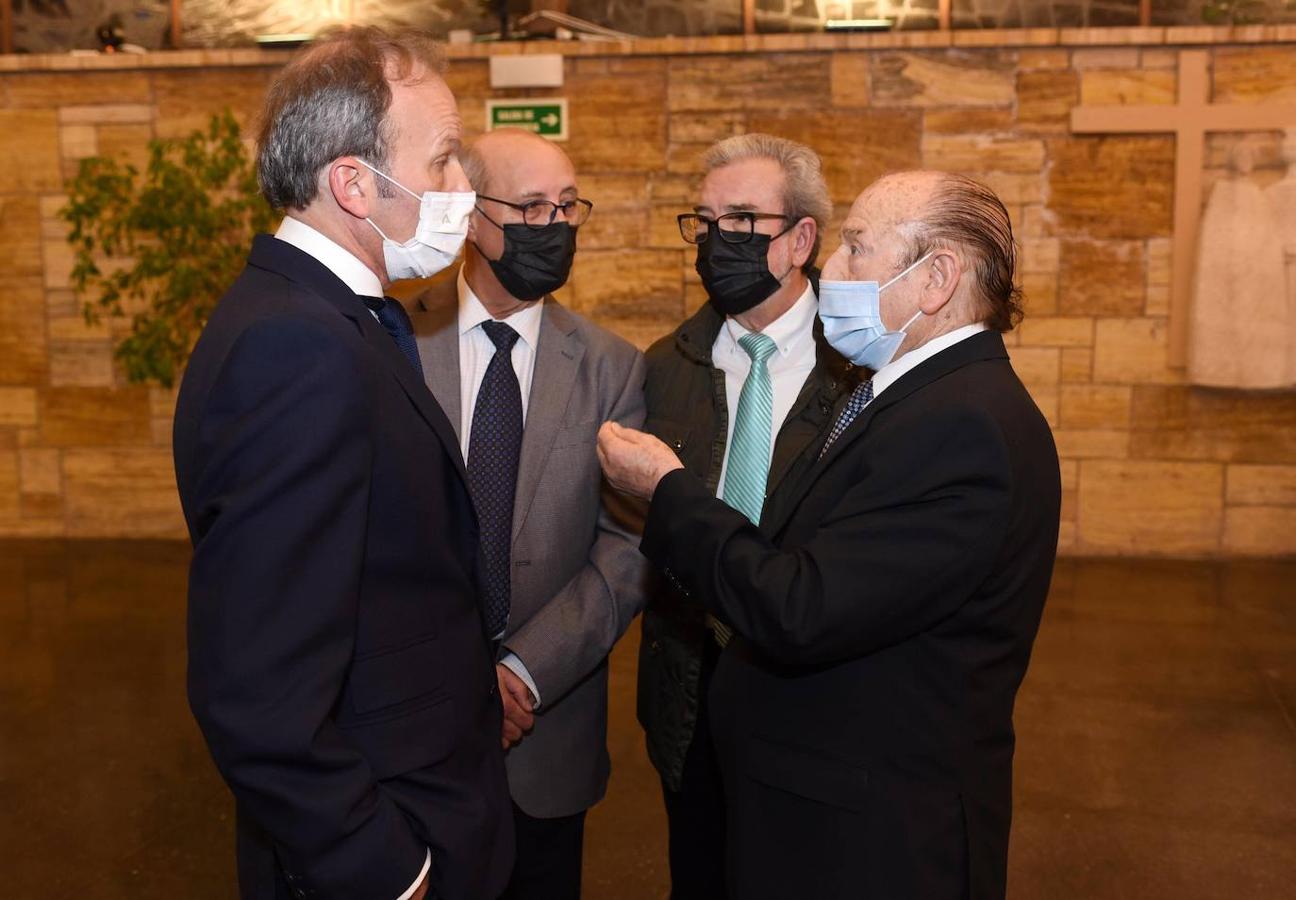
(1156,754)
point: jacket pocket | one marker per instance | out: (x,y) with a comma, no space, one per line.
(807,773)
(392,677)
(417,738)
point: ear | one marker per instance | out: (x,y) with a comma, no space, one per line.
(803,237)
(352,186)
(944,275)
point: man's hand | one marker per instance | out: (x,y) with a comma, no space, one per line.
(518,703)
(634,461)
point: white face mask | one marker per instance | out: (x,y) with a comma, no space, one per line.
(442,228)
(851,312)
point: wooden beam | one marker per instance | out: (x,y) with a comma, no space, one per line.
(749,16)
(945,14)
(175,24)
(6,26)
(1145,13)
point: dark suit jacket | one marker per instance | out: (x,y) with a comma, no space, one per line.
(338,665)
(577,573)
(887,607)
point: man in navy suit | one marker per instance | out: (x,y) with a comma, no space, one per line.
(339,667)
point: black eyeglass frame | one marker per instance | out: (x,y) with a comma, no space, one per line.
(742,237)
(578,203)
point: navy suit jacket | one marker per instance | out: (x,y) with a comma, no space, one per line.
(338,665)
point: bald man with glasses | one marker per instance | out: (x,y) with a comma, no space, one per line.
(526,384)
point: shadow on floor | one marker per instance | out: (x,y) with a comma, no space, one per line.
(1156,750)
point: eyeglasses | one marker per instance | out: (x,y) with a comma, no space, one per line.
(539,213)
(735,228)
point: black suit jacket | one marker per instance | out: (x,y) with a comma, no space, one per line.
(887,605)
(337,661)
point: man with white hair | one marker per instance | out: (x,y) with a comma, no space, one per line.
(739,389)
(886,606)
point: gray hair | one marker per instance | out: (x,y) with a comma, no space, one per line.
(332,101)
(805,193)
(965,213)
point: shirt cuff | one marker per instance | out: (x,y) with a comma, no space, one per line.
(517,668)
(427,864)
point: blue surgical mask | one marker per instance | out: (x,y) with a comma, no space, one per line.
(851,312)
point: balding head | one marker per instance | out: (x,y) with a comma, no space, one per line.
(489,160)
(941,210)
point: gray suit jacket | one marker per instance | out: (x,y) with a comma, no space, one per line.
(578,576)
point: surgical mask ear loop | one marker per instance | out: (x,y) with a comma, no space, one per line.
(928,255)
(389,178)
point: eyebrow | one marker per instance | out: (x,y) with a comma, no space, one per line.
(850,234)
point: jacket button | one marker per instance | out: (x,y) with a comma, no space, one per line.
(655,647)
(677,444)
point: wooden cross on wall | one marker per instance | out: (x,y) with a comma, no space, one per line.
(1189,120)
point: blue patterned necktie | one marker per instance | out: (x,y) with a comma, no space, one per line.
(494,445)
(393,318)
(749,452)
(861,397)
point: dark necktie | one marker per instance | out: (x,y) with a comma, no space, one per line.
(396,321)
(494,445)
(861,397)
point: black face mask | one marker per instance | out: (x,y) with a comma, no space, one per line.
(736,276)
(535,261)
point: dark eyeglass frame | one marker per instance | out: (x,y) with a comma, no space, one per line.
(568,207)
(728,235)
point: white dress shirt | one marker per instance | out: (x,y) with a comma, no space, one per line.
(788,367)
(361,279)
(891,372)
(475,353)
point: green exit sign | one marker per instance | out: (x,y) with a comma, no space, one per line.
(546,117)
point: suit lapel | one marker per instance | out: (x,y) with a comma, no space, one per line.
(986,345)
(557,360)
(285,259)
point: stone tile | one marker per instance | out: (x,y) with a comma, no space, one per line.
(1043,59)
(41,471)
(1091,443)
(612,227)
(849,76)
(1035,366)
(1095,406)
(1040,255)
(968,120)
(1139,87)
(1014,189)
(982,153)
(81,363)
(20,235)
(857,146)
(604,138)
(1102,278)
(1249,74)
(755,83)
(22,335)
(618,287)
(1133,351)
(1057,331)
(121,493)
(1077,364)
(949,78)
(127,143)
(674,188)
(1135,506)
(113,113)
(1039,293)
(95,417)
(78,141)
(186,104)
(1260,531)
(40,90)
(1112,187)
(18,406)
(1046,399)
(1045,99)
(1159,59)
(1105,58)
(29,142)
(663,227)
(1227,426)
(9,485)
(1037,222)
(705,127)
(1261,485)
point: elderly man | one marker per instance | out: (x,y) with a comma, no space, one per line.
(527,383)
(338,666)
(887,603)
(739,389)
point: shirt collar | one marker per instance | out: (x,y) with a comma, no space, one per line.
(891,372)
(341,262)
(789,330)
(526,321)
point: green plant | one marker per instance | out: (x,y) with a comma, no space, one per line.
(1235,12)
(177,235)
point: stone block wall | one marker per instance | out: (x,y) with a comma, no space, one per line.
(1150,465)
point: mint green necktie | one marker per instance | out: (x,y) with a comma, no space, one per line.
(749,452)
